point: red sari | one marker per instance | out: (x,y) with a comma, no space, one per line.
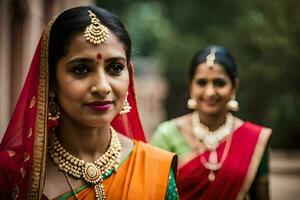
(24,145)
(236,175)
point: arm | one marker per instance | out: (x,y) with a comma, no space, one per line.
(260,189)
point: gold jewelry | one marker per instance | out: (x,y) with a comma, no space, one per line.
(126,106)
(53,109)
(211,141)
(233,105)
(91,172)
(191,103)
(210,58)
(96,33)
(69,182)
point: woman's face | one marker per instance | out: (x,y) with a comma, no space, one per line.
(92,81)
(212,89)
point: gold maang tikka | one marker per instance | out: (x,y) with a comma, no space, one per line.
(210,58)
(95,33)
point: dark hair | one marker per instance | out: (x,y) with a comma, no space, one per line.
(223,57)
(74,21)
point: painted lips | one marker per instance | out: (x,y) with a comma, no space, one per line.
(210,102)
(101,106)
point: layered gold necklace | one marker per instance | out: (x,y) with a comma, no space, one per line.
(91,172)
(211,140)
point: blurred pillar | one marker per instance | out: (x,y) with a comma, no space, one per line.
(21,25)
(54,7)
(4,64)
(151,88)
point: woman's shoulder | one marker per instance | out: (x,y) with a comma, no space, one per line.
(252,129)
(156,155)
(174,124)
(166,125)
(164,156)
(182,120)
(256,126)
(151,166)
(128,145)
(153,150)
(170,134)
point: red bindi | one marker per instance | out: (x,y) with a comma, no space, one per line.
(99,55)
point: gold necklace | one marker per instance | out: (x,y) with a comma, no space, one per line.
(211,140)
(91,172)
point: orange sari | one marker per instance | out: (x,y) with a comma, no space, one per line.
(144,175)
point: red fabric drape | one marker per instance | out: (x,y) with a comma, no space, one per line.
(24,145)
(130,124)
(193,180)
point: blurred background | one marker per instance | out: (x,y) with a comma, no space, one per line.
(263,36)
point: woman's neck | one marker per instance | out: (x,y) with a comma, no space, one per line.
(213,122)
(86,143)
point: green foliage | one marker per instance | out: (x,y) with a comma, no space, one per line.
(264,37)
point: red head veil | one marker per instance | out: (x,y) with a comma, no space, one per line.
(24,146)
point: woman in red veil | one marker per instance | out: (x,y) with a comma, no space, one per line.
(75,132)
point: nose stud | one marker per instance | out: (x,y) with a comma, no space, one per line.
(94,89)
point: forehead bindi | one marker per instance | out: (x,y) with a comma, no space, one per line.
(209,72)
(99,56)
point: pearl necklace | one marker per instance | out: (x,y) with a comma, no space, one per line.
(91,172)
(211,141)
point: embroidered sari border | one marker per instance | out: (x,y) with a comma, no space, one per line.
(41,129)
(255,161)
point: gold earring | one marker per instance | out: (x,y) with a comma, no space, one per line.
(126,106)
(233,105)
(53,109)
(191,103)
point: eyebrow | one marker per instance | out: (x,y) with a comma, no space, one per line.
(220,77)
(116,59)
(89,60)
(79,60)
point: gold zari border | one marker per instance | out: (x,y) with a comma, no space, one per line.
(35,190)
(254,163)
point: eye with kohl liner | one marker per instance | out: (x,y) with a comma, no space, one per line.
(81,69)
(201,82)
(219,82)
(115,68)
